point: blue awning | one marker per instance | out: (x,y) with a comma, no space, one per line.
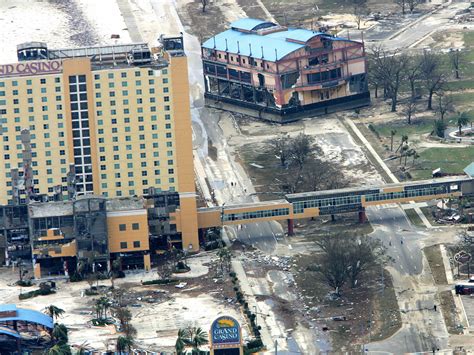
(26,315)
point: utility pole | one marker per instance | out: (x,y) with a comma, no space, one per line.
(276,347)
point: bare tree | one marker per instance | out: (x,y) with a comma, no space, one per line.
(432,75)
(281,145)
(456,59)
(413,74)
(409,110)
(359,9)
(393,67)
(346,257)
(204,4)
(412,4)
(302,146)
(402,4)
(444,105)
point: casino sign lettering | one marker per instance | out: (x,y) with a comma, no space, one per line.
(31,68)
(225,331)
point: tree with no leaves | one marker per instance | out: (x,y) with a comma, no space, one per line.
(456,59)
(410,110)
(413,74)
(412,4)
(444,105)
(302,146)
(434,79)
(281,145)
(204,4)
(402,4)
(359,9)
(346,257)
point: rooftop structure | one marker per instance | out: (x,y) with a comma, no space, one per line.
(273,72)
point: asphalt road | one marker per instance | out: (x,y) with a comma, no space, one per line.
(392,227)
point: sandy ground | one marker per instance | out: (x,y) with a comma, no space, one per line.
(157,323)
(60,25)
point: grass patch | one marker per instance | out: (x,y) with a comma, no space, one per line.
(450,160)
(460,85)
(414,218)
(435,260)
(463,98)
(468,38)
(448,308)
(418,126)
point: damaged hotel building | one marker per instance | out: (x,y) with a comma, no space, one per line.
(84,133)
(268,71)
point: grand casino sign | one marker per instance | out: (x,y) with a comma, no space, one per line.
(31,68)
(226,336)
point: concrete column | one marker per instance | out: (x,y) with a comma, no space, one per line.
(146,262)
(362,216)
(37,270)
(290,227)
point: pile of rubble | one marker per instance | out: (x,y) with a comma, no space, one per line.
(281,262)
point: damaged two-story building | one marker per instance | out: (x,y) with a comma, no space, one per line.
(281,74)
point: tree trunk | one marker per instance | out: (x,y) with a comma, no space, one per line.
(409,118)
(394,103)
(391,143)
(376,88)
(457,73)
(430,100)
(412,87)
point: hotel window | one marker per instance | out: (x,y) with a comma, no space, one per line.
(29,91)
(136,244)
(151,91)
(96,76)
(165,80)
(110,75)
(123,245)
(123,74)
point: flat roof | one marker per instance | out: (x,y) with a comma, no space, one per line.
(125,204)
(50,209)
(244,205)
(26,315)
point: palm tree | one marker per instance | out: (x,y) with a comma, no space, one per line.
(60,334)
(58,349)
(393,132)
(196,337)
(101,307)
(54,312)
(82,349)
(124,343)
(463,120)
(403,141)
(181,341)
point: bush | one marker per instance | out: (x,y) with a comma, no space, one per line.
(233,274)
(24,283)
(90,292)
(101,322)
(253,346)
(75,277)
(31,294)
(161,282)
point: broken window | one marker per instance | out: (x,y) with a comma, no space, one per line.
(313,61)
(288,80)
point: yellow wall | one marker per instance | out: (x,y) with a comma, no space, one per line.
(69,249)
(115,219)
(50,235)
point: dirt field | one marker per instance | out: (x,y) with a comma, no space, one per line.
(158,311)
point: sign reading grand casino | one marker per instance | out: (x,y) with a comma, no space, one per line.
(31,68)
(225,332)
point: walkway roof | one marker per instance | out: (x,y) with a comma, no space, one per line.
(469,170)
(10,332)
(26,315)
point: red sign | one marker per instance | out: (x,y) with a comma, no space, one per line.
(31,68)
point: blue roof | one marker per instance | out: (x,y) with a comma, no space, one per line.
(27,315)
(248,23)
(469,170)
(274,45)
(10,332)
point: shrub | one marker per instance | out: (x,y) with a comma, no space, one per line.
(90,292)
(232,274)
(31,294)
(161,282)
(75,277)
(24,283)
(253,346)
(101,322)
